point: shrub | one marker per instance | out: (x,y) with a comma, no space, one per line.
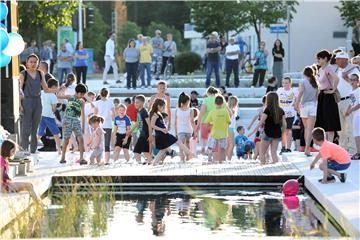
(187,62)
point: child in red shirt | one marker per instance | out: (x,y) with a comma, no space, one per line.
(335,158)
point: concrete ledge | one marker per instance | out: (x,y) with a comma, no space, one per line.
(341,200)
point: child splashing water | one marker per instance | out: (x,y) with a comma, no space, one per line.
(163,139)
(97,139)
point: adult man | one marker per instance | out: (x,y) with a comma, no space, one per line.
(44,66)
(138,41)
(213,48)
(356,37)
(344,71)
(110,58)
(157,44)
(45,52)
(232,62)
(68,45)
(169,52)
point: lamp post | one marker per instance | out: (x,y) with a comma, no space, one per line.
(80,13)
(288,28)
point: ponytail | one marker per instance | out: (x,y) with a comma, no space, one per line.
(183,98)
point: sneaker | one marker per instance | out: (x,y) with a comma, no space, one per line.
(62,161)
(118,81)
(343,177)
(329,179)
(83,162)
(105,83)
(356,156)
(142,87)
(283,150)
(288,150)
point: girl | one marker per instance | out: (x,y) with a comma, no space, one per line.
(308,94)
(273,119)
(105,109)
(278,52)
(89,110)
(207,106)
(131,55)
(121,134)
(163,139)
(260,65)
(184,122)
(8,150)
(328,82)
(233,109)
(97,139)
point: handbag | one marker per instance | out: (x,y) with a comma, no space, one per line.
(336,94)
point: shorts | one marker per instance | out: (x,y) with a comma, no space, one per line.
(97,153)
(119,141)
(216,145)
(205,130)
(49,123)
(184,137)
(142,145)
(231,130)
(331,164)
(308,110)
(269,139)
(71,125)
(289,122)
(356,126)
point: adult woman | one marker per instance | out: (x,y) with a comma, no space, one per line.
(308,92)
(260,65)
(278,53)
(131,56)
(80,65)
(169,52)
(327,114)
(31,81)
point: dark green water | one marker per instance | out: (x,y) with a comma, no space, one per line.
(190,214)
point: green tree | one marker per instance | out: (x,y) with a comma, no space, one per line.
(95,36)
(128,31)
(165,29)
(349,12)
(40,19)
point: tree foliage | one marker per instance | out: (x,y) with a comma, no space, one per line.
(238,15)
(39,19)
(128,31)
(349,12)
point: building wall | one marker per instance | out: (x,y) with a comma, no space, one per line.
(310,31)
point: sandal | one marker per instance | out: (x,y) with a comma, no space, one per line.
(356,156)
(329,179)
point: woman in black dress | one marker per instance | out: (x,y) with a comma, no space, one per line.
(163,139)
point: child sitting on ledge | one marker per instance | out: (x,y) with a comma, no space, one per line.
(334,158)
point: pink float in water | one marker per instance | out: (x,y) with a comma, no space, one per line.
(290,188)
(291,202)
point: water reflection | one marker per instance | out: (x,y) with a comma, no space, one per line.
(236,213)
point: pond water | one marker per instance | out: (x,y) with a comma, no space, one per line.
(187,213)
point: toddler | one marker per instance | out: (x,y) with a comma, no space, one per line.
(97,139)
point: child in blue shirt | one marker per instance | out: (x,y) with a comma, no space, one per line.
(121,134)
(243,145)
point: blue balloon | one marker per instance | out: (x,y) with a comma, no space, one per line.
(4,39)
(3,11)
(4,60)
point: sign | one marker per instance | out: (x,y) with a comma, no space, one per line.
(278,28)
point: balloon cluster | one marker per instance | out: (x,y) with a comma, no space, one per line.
(11,44)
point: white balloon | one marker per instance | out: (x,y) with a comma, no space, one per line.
(15,46)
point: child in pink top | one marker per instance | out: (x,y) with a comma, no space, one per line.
(8,150)
(97,139)
(335,158)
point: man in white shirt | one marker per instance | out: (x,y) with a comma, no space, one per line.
(344,71)
(68,46)
(110,58)
(232,62)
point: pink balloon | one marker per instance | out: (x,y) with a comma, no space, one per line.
(291,202)
(290,187)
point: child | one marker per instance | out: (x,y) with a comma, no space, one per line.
(273,120)
(259,112)
(184,122)
(127,101)
(161,88)
(194,99)
(272,87)
(71,122)
(49,102)
(287,101)
(233,109)
(105,109)
(89,110)
(131,112)
(145,137)
(296,132)
(240,140)
(121,133)
(334,158)
(8,150)
(219,119)
(354,109)
(257,142)
(116,102)
(97,139)
(163,139)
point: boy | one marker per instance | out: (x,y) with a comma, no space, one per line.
(71,122)
(116,102)
(49,102)
(194,99)
(145,138)
(161,88)
(121,133)
(219,118)
(127,101)
(334,158)
(131,112)
(272,87)
(240,142)
(354,109)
